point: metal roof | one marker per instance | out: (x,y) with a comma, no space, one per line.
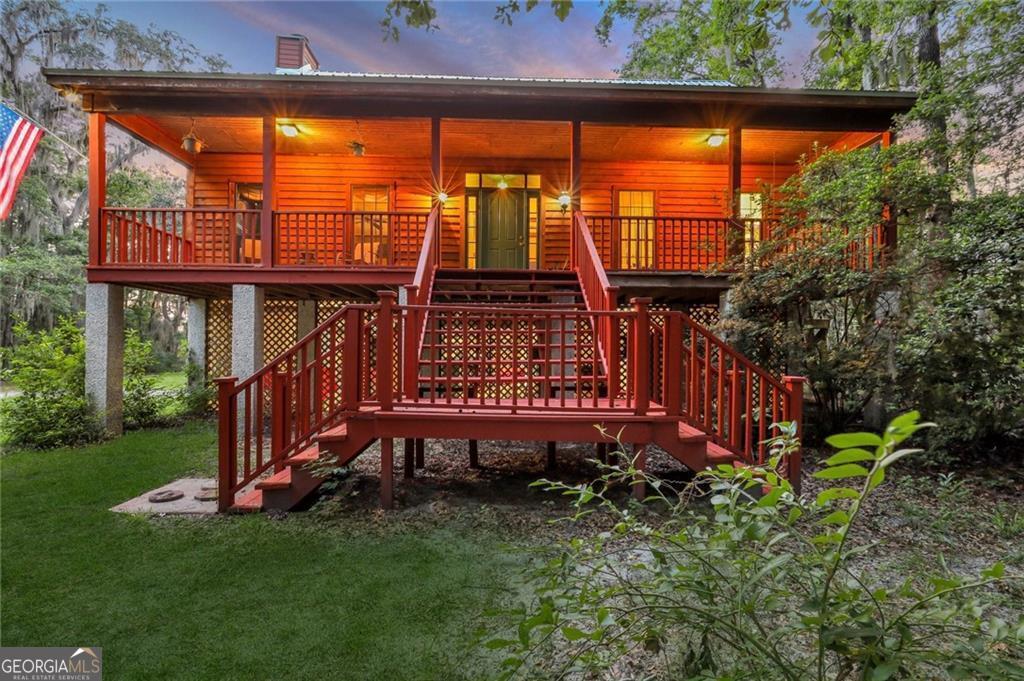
(656,82)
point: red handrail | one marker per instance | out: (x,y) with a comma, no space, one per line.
(598,293)
(273,414)
(348,238)
(178,236)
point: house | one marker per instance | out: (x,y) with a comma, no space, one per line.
(377,256)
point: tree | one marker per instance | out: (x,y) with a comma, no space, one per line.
(42,241)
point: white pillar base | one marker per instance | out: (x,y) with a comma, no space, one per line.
(104,353)
(246,330)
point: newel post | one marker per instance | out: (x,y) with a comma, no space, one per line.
(227,433)
(280,413)
(641,365)
(795,396)
(410,343)
(351,359)
(386,350)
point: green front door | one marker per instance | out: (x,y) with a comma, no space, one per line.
(503,232)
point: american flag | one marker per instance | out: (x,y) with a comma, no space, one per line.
(19,139)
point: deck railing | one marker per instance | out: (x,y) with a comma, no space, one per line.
(275,413)
(598,293)
(685,244)
(179,236)
(510,359)
(348,238)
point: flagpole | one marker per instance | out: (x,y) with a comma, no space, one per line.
(44,128)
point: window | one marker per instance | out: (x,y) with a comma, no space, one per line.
(636,203)
(249,195)
(752,214)
(370,230)
(636,235)
(471,218)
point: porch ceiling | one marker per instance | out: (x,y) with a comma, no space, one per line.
(410,137)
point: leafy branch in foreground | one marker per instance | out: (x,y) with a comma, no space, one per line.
(737,577)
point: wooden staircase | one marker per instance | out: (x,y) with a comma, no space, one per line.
(494,355)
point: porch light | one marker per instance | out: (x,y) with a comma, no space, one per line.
(358,148)
(716,139)
(564,201)
(289,130)
(191,142)
(502,184)
(442,197)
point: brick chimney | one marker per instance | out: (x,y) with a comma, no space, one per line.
(294,52)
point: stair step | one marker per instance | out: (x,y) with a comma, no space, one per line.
(718,454)
(336,434)
(691,434)
(306,456)
(279,480)
(250,503)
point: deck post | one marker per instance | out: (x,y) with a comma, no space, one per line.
(97,186)
(195,331)
(247,302)
(575,164)
(386,350)
(280,414)
(552,462)
(735,245)
(351,359)
(227,410)
(410,465)
(387,473)
(795,397)
(474,455)
(269,191)
(104,353)
(602,452)
(640,464)
(420,447)
(641,365)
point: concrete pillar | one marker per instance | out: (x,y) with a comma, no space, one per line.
(305,319)
(104,353)
(246,330)
(195,333)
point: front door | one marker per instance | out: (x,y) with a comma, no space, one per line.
(503,229)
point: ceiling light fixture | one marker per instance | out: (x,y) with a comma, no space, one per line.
(716,139)
(502,184)
(358,149)
(289,130)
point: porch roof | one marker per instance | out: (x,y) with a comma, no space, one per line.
(328,94)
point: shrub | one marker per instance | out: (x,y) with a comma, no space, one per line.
(48,367)
(196,398)
(142,404)
(761,585)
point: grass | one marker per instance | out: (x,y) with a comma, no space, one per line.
(169,380)
(228,597)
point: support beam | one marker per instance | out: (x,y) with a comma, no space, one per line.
(410,466)
(474,455)
(269,191)
(602,452)
(196,336)
(97,185)
(640,464)
(387,473)
(420,458)
(104,353)
(436,154)
(305,319)
(735,162)
(552,461)
(246,330)
(575,164)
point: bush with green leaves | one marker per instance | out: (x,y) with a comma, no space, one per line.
(142,404)
(48,369)
(737,577)
(195,398)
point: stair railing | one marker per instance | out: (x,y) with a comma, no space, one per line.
(418,294)
(710,385)
(598,294)
(276,412)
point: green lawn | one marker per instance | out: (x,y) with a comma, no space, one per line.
(230,597)
(169,380)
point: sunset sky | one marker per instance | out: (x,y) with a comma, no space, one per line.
(347,37)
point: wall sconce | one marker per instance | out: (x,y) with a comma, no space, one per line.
(358,148)
(442,197)
(289,130)
(564,201)
(716,139)
(191,142)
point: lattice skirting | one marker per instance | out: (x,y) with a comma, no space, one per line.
(280,330)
